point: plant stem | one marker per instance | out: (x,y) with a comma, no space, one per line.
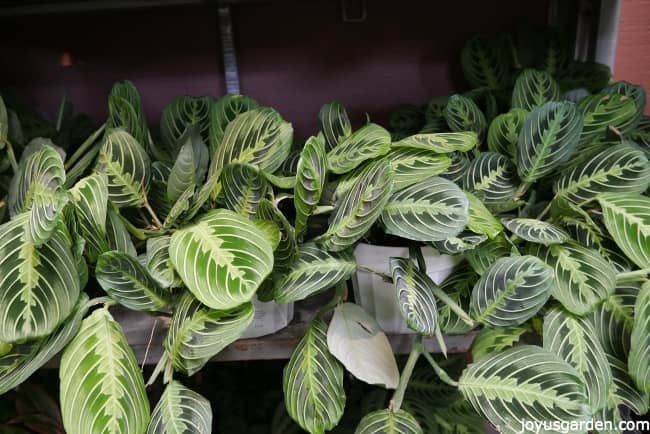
(59,118)
(523,188)
(81,150)
(385,277)
(439,371)
(633,276)
(442,295)
(545,210)
(106,301)
(340,295)
(416,253)
(11,155)
(322,209)
(151,212)
(398,396)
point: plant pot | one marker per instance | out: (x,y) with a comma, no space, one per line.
(269,318)
(378,297)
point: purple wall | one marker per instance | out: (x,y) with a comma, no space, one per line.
(292,55)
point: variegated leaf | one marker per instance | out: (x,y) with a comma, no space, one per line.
(602,112)
(388,422)
(583,278)
(431,210)
(485,61)
(493,179)
(182,113)
(459,244)
(190,165)
(487,253)
(456,171)
(118,236)
(313,271)
(102,389)
(624,390)
(534,88)
(125,111)
(287,250)
(536,231)
(222,113)
(636,92)
(504,131)
(574,340)
(590,75)
(481,220)
(459,288)
(181,411)
(222,258)
(334,124)
(442,143)
(511,291)
(313,383)
(414,296)
(159,264)
(310,179)
(90,198)
(496,339)
(366,143)
(411,166)
(462,114)
(638,363)
(524,383)
(359,208)
(198,333)
(405,120)
(243,188)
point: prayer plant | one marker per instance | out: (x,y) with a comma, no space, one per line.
(538,178)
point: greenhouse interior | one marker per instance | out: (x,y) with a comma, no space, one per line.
(324,216)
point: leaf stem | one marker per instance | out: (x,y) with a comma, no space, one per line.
(442,295)
(385,277)
(322,209)
(439,371)
(151,212)
(633,276)
(545,210)
(106,301)
(523,188)
(398,396)
(11,155)
(81,150)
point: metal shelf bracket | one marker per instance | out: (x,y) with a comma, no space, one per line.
(231,72)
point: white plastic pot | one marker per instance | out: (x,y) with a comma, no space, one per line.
(378,297)
(269,318)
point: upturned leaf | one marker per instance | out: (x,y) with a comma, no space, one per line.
(310,180)
(334,123)
(181,411)
(368,142)
(602,112)
(504,131)
(388,422)
(442,143)
(485,61)
(411,166)
(481,220)
(462,114)
(493,179)
(243,188)
(287,250)
(414,296)
(222,113)
(90,198)
(181,114)
(534,88)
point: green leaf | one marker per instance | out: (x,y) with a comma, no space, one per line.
(366,143)
(359,208)
(555,51)
(334,124)
(456,171)
(243,188)
(638,362)
(602,112)
(198,333)
(183,174)
(548,138)
(583,278)
(536,231)
(179,208)
(493,179)
(411,166)
(310,180)
(511,291)
(641,134)
(495,340)
(129,283)
(623,388)
(181,411)
(222,113)
(459,288)
(481,220)
(590,75)
(534,88)
(618,169)
(125,111)
(313,383)
(40,283)
(287,250)
(102,389)
(414,296)
(627,218)
(90,198)
(442,143)
(524,383)
(431,210)
(159,264)
(487,253)
(504,131)
(388,422)
(24,358)
(405,120)
(462,243)
(182,113)
(127,166)
(462,114)
(222,258)
(355,339)
(313,271)
(574,340)
(118,236)
(4,123)
(485,61)
(636,92)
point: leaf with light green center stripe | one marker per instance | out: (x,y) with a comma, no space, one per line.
(485,61)
(462,114)
(536,231)
(548,138)
(368,142)
(462,243)
(583,278)
(485,254)
(495,340)
(442,143)
(636,92)
(39,285)
(359,208)
(182,113)
(313,271)
(411,166)
(624,390)
(21,360)
(524,383)
(222,258)
(431,210)
(222,113)
(243,188)
(534,88)
(334,123)
(90,198)
(574,340)
(619,169)
(102,389)
(310,180)
(504,130)
(183,174)
(481,220)
(129,283)
(511,291)
(493,179)
(125,111)
(414,296)
(313,383)
(127,166)
(639,360)
(198,333)
(118,236)
(287,250)
(459,288)
(181,411)
(159,264)
(627,218)
(602,112)
(613,319)
(456,171)
(388,422)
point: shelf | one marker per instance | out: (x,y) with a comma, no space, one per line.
(138,326)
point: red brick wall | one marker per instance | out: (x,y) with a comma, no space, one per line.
(633,51)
